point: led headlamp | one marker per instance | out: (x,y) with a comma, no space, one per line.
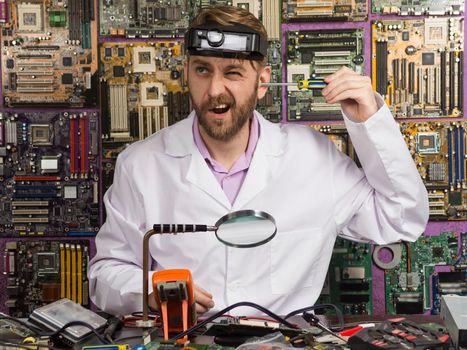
(235,41)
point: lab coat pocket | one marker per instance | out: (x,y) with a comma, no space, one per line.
(293,256)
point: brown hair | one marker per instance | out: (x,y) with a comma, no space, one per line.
(230,15)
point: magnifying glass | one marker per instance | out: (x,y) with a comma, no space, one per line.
(240,229)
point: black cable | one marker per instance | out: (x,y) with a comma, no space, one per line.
(84,324)
(339,315)
(227,309)
(113,324)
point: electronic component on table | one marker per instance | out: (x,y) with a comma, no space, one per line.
(306,58)
(399,335)
(175,297)
(418,66)
(454,314)
(418,7)
(57,314)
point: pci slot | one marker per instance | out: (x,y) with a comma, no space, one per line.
(36,89)
(333,54)
(30,220)
(30,212)
(34,64)
(62,272)
(460,84)
(404,74)
(35,81)
(36,73)
(29,204)
(326,70)
(341,62)
(34,195)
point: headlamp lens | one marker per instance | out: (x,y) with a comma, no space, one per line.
(215,38)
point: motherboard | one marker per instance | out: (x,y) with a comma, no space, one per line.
(49,54)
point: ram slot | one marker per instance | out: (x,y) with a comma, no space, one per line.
(84,143)
(460,79)
(450,163)
(442,103)
(165,116)
(381,64)
(452,79)
(437,85)
(457,143)
(79,274)
(461,153)
(68,271)
(271,18)
(73,273)
(74,8)
(11,136)
(429,86)
(72,146)
(141,123)
(36,178)
(118,111)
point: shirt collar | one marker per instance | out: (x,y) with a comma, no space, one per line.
(248,155)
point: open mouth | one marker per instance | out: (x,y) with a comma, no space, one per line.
(220,109)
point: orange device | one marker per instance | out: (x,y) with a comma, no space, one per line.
(175,296)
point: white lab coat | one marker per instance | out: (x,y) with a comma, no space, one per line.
(297,175)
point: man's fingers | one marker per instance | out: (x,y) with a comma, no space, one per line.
(203,299)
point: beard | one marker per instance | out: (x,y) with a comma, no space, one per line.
(226,130)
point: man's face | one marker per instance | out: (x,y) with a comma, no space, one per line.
(224,92)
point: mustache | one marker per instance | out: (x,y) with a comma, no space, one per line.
(218,100)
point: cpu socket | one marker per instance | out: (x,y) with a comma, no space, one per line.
(46,263)
(436,31)
(144,59)
(428,142)
(152,94)
(29,17)
(41,135)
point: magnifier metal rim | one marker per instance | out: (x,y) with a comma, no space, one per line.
(215,43)
(242,213)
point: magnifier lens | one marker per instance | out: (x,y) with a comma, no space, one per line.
(246,230)
(215,38)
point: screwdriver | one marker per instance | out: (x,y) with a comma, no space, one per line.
(309,84)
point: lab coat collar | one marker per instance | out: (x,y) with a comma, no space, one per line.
(179,142)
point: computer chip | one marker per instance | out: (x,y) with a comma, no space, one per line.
(41,135)
(428,142)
